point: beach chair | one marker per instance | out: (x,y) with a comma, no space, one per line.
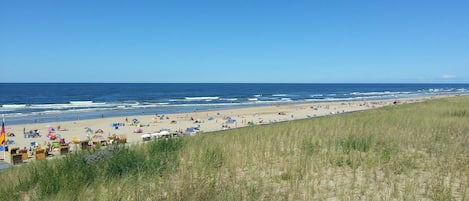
(122,140)
(14,151)
(17,159)
(24,154)
(85,145)
(64,149)
(40,154)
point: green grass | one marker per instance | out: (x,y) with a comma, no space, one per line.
(405,152)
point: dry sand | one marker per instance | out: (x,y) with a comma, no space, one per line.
(181,121)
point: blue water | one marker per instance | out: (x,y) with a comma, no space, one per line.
(30,102)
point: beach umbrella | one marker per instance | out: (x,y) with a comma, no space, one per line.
(211,118)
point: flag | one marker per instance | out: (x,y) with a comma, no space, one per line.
(2,134)
(2,138)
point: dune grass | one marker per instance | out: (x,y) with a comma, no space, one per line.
(406,152)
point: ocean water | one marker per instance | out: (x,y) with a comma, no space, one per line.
(23,103)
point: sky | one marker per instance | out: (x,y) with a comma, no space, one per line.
(239,41)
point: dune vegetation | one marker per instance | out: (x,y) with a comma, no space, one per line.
(414,151)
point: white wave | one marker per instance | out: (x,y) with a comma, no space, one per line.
(286,99)
(143,106)
(378,93)
(253,99)
(258,95)
(71,105)
(229,99)
(205,105)
(16,115)
(81,102)
(271,101)
(316,95)
(14,106)
(177,100)
(203,98)
(149,103)
(279,95)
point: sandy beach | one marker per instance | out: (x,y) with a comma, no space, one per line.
(208,121)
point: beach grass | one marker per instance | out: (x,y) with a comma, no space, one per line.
(414,151)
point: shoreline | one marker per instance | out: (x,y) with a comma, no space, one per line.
(208,120)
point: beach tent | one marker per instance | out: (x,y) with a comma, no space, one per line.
(145,137)
(155,135)
(190,131)
(164,132)
(211,118)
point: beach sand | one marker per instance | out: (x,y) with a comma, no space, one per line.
(174,122)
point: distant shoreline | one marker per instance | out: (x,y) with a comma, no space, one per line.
(209,121)
(50,103)
(70,116)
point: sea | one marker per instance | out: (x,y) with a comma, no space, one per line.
(25,103)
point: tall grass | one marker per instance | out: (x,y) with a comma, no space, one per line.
(406,152)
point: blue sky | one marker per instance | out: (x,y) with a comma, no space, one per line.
(235,41)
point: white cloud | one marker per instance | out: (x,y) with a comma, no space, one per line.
(448,76)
